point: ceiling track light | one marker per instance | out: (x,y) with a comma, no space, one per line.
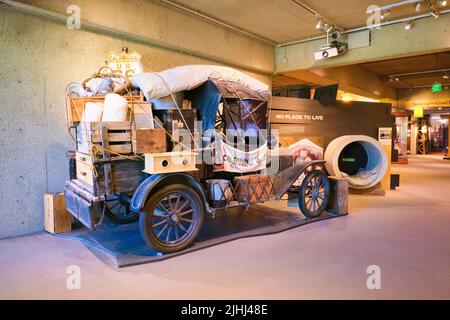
(319,23)
(434,14)
(442,3)
(418,6)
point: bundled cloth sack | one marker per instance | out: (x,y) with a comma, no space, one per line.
(92,112)
(115,108)
(362,178)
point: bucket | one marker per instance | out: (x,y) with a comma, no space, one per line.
(220,193)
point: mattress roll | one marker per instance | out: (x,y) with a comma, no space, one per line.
(92,112)
(115,108)
(360,159)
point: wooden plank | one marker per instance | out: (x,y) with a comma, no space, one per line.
(109,189)
(111,125)
(105,143)
(120,148)
(112,137)
(149,140)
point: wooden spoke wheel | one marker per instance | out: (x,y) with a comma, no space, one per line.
(117,210)
(172,218)
(314,194)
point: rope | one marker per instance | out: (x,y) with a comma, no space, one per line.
(179,110)
(235,92)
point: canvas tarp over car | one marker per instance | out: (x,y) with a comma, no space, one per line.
(244,101)
(205,86)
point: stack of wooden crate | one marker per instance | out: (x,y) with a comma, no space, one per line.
(108,156)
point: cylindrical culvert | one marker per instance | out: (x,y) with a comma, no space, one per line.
(360,159)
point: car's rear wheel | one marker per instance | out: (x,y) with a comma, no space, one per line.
(117,210)
(172,218)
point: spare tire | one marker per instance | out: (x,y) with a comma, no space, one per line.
(353,156)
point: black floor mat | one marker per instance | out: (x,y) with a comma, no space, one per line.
(127,247)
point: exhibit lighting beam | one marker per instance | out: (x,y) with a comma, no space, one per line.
(383,24)
(118,34)
(216,21)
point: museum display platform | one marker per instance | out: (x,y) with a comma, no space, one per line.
(124,244)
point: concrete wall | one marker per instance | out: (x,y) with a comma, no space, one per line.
(39,58)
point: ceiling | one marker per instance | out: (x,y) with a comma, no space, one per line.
(285,20)
(388,69)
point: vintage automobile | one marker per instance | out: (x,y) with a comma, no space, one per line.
(172,192)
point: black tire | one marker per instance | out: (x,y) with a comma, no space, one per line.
(314,194)
(117,210)
(172,218)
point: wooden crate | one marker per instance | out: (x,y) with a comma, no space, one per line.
(173,123)
(170,162)
(75,107)
(115,176)
(104,140)
(149,140)
(57,218)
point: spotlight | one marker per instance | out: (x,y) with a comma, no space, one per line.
(397,79)
(319,23)
(443,3)
(385,13)
(434,14)
(418,6)
(446,76)
(409,25)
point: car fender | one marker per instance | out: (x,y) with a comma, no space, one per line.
(157,181)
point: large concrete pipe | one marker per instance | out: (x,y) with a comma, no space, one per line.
(361,159)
